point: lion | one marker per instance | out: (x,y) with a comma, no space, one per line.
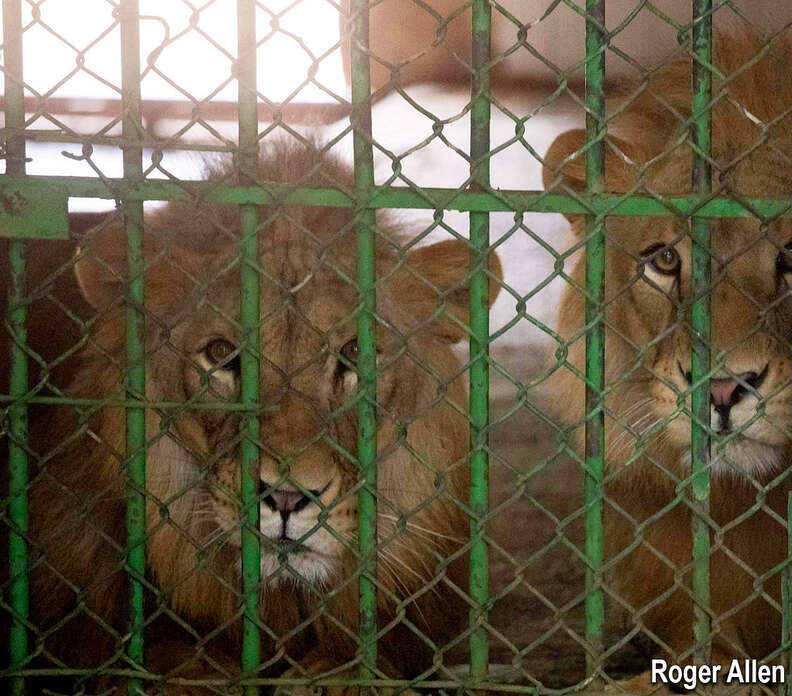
(648,296)
(308,476)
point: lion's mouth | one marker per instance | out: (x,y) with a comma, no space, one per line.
(288,560)
(287,545)
(284,546)
(740,454)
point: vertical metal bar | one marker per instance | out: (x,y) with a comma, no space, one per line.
(700,324)
(135,335)
(17,321)
(595,338)
(479,338)
(18,464)
(786,602)
(366,336)
(250,355)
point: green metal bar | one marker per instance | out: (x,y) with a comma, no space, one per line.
(366,337)
(14,89)
(505,200)
(16,319)
(397,686)
(133,403)
(250,317)
(700,325)
(595,335)
(135,338)
(34,211)
(479,339)
(786,602)
(18,465)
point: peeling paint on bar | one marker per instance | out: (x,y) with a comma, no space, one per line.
(366,338)
(17,324)
(135,339)
(250,355)
(479,339)
(595,336)
(700,329)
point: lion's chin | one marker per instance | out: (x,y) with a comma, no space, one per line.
(744,457)
(300,566)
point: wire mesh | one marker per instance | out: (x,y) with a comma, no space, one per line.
(244,449)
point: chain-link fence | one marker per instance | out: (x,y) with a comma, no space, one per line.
(244,450)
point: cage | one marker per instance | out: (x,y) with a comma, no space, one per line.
(455,377)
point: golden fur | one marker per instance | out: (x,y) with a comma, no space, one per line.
(308,443)
(648,351)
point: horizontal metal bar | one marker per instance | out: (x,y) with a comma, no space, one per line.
(286,681)
(146,141)
(136,403)
(32,211)
(402,197)
(154,110)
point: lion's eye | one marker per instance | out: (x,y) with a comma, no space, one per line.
(349,353)
(784,260)
(663,259)
(222,354)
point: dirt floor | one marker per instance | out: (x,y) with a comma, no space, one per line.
(536,571)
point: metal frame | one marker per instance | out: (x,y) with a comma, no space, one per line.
(48,221)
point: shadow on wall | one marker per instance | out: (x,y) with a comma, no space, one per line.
(431,39)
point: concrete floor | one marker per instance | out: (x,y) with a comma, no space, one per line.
(536,572)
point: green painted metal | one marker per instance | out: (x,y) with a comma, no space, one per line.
(479,339)
(35,207)
(366,337)
(428,198)
(16,318)
(250,316)
(700,325)
(18,465)
(135,338)
(28,212)
(135,403)
(786,603)
(595,335)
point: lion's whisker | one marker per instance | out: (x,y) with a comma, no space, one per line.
(412,526)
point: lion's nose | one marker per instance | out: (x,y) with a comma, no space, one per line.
(728,392)
(286,501)
(725,392)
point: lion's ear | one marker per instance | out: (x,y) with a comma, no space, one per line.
(101,266)
(437,275)
(565,164)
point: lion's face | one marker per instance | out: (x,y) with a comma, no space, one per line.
(308,473)
(751,311)
(308,426)
(649,295)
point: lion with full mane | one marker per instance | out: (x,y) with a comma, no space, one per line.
(308,473)
(648,295)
